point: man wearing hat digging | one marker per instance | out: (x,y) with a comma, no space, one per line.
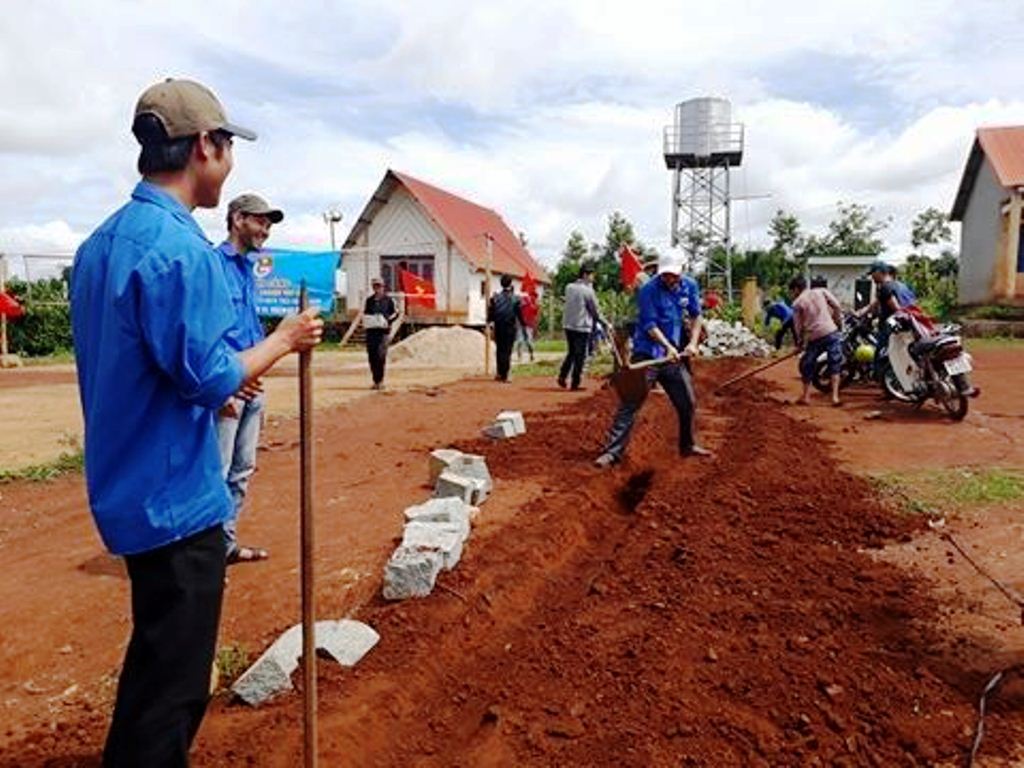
(661,304)
(238,425)
(150,310)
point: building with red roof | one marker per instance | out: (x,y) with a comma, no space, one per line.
(440,237)
(988,204)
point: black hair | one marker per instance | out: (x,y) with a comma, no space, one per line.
(506,281)
(798,283)
(818,281)
(158,153)
(586,268)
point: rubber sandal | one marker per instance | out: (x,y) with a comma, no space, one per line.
(247,555)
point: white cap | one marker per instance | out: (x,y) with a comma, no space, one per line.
(672,261)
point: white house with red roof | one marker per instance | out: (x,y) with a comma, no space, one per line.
(989,204)
(439,237)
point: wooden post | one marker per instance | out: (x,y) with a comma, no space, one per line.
(307,547)
(487,304)
(1008,283)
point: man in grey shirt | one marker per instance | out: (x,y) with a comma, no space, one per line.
(578,318)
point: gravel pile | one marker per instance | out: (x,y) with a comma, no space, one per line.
(442,347)
(732,340)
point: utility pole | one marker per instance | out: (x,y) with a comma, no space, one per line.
(332,216)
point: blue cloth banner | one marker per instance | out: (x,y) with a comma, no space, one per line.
(279,274)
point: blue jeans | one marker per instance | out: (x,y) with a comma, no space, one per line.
(832,345)
(238,439)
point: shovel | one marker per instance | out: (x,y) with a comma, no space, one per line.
(630,381)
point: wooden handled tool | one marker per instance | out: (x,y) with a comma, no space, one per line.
(755,371)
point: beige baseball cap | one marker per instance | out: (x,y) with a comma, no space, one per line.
(256,205)
(186,108)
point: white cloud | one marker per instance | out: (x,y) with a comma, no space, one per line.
(549,112)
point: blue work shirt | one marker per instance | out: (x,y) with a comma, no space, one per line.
(248,330)
(658,305)
(905,295)
(780,310)
(150,307)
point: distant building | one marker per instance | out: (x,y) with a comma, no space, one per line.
(845,277)
(988,204)
(439,237)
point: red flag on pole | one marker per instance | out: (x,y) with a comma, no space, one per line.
(9,307)
(418,292)
(529,285)
(631,267)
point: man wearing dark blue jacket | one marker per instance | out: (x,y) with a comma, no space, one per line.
(659,334)
(150,308)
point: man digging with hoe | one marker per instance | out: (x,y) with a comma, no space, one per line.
(150,310)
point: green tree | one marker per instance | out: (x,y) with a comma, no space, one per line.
(45,327)
(853,232)
(620,232)
(787,237)
(575,252)
(930,227)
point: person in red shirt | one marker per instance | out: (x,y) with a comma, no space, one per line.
(528,328)
(711,300)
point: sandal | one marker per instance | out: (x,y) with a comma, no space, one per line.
(247,555)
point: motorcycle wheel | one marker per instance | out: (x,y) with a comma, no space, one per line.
(820,377)
(892,387)
(955,405)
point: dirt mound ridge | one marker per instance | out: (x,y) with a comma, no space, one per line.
(720,613)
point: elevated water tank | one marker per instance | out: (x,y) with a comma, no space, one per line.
(703,134)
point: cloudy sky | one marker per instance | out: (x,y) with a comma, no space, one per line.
(549,111)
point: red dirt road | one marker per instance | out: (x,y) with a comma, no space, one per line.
(727,612)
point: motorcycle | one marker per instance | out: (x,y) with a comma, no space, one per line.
(922,362)
(859,349)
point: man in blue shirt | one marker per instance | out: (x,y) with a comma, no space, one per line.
(781,311)
(150,309)
(238,425)
(661,304)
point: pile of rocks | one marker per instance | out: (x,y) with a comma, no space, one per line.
(506,424)
(436,531)
(345,640)
(732,340)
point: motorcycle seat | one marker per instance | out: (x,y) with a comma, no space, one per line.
(930,344)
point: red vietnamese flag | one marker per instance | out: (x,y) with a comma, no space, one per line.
(9,307)
(529,285)
(631,267)
(418,292)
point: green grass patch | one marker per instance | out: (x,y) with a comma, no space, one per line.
(953,489)
(549,345)
(67,463)
(232,660)
(60,357)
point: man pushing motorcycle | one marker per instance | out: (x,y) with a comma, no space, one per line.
(817,318)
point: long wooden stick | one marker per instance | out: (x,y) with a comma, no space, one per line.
(306,546)
(487,305)
(756,371)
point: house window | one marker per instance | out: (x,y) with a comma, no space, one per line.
(1020,251)
(421,265)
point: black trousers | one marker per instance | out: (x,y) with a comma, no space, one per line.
(576,356)
(165,681)
(504,340)
(377,352)
(676,381)
(781,334)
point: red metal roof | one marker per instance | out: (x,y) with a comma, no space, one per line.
(464,222)
(1004,149)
